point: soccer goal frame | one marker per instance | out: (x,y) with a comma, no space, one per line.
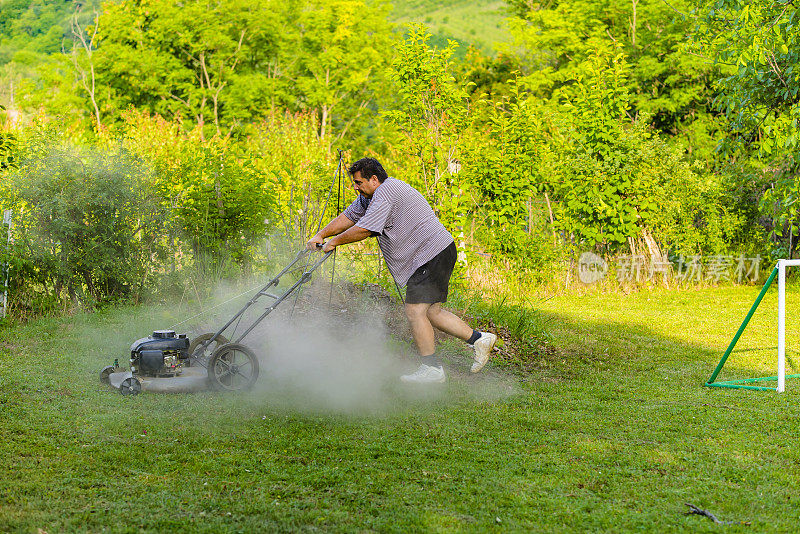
(778,272)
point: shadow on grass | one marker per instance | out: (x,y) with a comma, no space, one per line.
(609,430)
(552,346)
(326,370)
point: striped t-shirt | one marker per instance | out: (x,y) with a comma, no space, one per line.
(408,231)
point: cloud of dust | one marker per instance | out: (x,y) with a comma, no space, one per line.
(325,362)
(340,359)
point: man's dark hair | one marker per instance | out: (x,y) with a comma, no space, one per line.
(368,167)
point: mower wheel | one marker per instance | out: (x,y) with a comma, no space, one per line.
(130,386)
(209,350)
(105,373)
(233,367)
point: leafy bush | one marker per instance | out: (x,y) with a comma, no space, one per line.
(299,166)
(616,180)
(8,149)
(503,166)
(219,201)
(432,113)
(85,225)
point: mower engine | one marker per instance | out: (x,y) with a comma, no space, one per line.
(161,354)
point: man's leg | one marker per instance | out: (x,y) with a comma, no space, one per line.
(429,284)
(421,328)
(431,369)
(448,322)
(482,342)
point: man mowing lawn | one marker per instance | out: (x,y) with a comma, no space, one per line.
(420,254)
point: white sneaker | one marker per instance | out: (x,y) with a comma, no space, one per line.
(483,348)
(425,374)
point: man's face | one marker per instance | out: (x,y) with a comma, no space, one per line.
(364,186)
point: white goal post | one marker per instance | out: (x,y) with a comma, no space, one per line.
(782,265)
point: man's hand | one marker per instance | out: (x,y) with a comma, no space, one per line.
(330,245)
(314,242)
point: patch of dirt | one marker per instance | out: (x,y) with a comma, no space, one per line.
(350,301)
(521,355)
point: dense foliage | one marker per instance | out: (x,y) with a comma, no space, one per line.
(759,46)
(86,225)
(615,127)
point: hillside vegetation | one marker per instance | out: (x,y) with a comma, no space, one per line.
(481,23)
(210,128)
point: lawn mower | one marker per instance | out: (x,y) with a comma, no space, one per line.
(170,362)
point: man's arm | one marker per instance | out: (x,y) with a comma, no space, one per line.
(353,234)
(336,226)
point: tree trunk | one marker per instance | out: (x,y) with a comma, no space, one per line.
(94,101)
(552,221)
(632,245)
(323,122)
(216,112)
(78,35)
(87,277)
(73,297)
(218,191)
(652,245)
(200,124)
(530,216)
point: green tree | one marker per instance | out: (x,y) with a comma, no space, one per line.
(83,47)
(618,184)
(33,26)
(599,196)
(33,73)
(8,147)
(221,64)
(758,47)
(339,63)
(759,44)
(506,175)
(668,84)
(171,59)
(432,112)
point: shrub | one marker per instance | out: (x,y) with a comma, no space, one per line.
(86,224)
(220,203)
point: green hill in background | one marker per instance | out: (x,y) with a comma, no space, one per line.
(31,28)
(480,23)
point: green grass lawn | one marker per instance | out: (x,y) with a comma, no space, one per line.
(612,433)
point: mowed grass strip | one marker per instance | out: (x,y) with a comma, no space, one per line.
(616,434)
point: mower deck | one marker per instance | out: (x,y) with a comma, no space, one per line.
(191,379)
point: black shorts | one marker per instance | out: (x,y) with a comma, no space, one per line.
(429,283)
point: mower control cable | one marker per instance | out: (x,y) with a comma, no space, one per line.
(214,307)
(337,174)
(245,292)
